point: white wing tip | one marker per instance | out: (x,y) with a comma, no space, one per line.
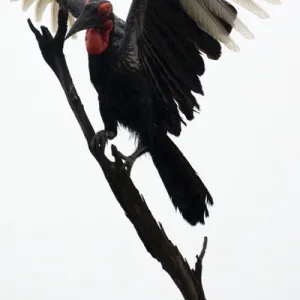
(264,15)
(232,46)
(249,37)
(275,2)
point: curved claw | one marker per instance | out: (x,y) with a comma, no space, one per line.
(101,137)
(129,161)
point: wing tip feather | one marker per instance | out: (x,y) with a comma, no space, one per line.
(215,14)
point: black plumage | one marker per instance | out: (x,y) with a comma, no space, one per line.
(145,71)
(143,79)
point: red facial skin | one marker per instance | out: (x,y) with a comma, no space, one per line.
(97,40)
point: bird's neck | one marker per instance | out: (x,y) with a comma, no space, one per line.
(100,65)
(97,41)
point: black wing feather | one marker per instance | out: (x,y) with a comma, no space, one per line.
(167,42)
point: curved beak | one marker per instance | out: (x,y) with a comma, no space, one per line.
(86,20)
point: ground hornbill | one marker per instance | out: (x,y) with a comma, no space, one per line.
(145,70)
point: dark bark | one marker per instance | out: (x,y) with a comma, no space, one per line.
(150,232)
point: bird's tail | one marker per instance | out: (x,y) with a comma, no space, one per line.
(185,188)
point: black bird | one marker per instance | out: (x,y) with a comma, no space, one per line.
(145,70)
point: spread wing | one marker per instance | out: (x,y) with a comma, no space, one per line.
(165,36)
(75,7)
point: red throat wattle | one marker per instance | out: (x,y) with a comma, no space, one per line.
(96,39)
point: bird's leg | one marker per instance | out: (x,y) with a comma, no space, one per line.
(101,137)
(110,126)
(129,160)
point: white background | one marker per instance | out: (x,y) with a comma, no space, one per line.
(64,236)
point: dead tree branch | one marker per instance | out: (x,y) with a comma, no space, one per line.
(152,234)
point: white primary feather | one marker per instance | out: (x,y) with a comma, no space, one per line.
(40,8)
(221,9)
(274,1)
(206,20)
(253,7)
(54,16)
(204,13)
(27,4)
(71,22)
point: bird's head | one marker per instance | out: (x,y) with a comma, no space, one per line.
(98,14)
(98,21)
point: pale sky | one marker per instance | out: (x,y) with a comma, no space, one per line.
(64,236)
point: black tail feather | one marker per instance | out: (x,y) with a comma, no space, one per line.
(185,188)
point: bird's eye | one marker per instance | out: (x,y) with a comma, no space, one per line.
(105,9)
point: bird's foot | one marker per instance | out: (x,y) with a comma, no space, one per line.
(128,164)
(128,160)
(52,47)
(101,137)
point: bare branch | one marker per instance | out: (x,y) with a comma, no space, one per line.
(151,234)
(198,265)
